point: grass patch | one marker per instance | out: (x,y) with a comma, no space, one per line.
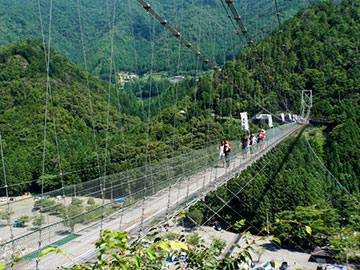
(60,242)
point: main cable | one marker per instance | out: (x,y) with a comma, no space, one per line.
(148,8)
(252,45)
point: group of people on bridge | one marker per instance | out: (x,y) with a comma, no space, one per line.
(246,142)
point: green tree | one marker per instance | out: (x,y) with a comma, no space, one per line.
(38,221)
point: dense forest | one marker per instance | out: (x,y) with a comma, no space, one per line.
(318,49)
(133,30)
(77,123)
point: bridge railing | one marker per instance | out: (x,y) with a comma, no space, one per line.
(239,162)
(116,193)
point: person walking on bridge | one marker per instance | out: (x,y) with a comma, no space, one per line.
(244,142)
(227,151)
(261,137)
(222,152)
(252,141)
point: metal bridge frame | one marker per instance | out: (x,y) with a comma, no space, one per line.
(306,104)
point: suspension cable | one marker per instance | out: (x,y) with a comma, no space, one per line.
(332,176)
(148,8)
(277,12)
(252,45)
(88,88)
(147,156)
(45,130)
(7,194)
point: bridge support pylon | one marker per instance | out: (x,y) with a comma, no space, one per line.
(306,104)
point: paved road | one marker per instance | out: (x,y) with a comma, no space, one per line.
(82,248)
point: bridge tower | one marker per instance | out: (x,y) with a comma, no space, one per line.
(306,104)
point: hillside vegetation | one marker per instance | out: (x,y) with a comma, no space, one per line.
(204,23)
(75,122)
(318,49)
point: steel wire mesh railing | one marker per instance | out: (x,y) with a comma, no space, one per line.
(124,192)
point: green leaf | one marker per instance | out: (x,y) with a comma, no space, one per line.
(2,265)
(137,261)
(164,245)
(308,229)
(276,240)
(151,253)
(47,251)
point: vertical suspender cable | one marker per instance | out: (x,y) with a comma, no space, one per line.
(7,195)
(238,20)
(148,8)
(53,117)
(103,190)
(142,103)
(147,158)
(88,89)
(194,113)
(45,131)
(277,12)
(179,28)
(89,99)
(121,129)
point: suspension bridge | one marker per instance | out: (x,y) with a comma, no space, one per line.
(149,196)
(139,199)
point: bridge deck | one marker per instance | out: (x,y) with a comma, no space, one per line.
(158,206)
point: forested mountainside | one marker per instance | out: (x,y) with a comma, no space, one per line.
(73,117)
(203,23)
(22,110)
(318,49)
(292,67)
